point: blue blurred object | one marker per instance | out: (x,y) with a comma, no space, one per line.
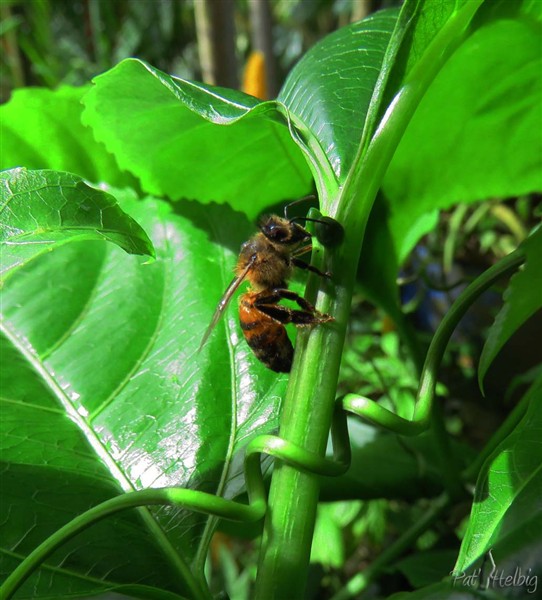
(429,294)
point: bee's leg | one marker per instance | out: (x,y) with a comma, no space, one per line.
(304,265)
(275,295)
(287,294)
(285,315)
(267,301)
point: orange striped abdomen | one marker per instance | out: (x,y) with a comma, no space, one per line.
(266,337)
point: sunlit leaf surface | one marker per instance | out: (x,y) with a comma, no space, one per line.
(42,209)
(184,139)
(330,89)
(115,395)
(477,132)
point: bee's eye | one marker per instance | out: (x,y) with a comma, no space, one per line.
(282,231)
(276,232)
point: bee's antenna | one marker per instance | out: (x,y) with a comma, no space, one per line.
(295,219)
(294,202)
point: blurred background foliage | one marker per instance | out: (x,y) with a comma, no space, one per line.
(53,42)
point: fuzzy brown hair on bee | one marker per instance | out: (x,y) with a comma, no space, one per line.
(267,261)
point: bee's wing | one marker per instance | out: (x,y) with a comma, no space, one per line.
(225,300)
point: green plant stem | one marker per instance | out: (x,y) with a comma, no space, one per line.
(367,409)
(360,582)
(309,402)
(424,413)
(305,421)
(448,463)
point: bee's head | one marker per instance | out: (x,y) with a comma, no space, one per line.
(282,231)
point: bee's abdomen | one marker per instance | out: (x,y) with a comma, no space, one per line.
(266,337)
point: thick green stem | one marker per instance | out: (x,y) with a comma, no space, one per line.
(306,420)
(299,460)
(195,500)
(310,399)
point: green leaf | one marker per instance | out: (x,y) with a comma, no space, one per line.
(223,144)
(112,345)
(49,473)
(329,91)
(184,139)
(477,132)
(507,497)
(43,209)
(42,129)
(522,299)
(459,98)
(429,20)
(333,95)
(333,69)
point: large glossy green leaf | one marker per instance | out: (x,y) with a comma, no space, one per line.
(461,130)
(43,209)
(398,47)
(329,91)
(507,502)
(50,473)
(42,129)
(522,299)
(477,133)
(184,139)
(218,144)
(112,347)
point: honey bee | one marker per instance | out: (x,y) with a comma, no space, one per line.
(267,261)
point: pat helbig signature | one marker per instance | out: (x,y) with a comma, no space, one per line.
(497,578)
